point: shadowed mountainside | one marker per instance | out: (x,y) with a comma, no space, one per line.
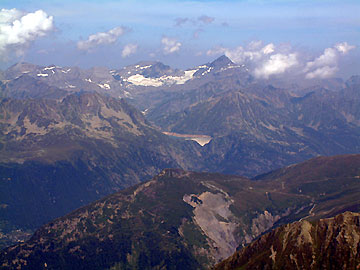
(74,151)
(182,219)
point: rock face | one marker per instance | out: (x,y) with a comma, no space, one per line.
(213,216)
(189,220)
(332,243)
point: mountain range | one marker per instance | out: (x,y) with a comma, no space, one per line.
(74,151)
(72,136)
(188,220)
(255,126)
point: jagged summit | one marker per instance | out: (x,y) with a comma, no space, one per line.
(222,61)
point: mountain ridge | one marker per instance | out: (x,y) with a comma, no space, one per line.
(331,243)
(74,151)
(183,219)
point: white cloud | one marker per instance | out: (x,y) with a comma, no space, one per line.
(255,45)
(322,72)
(276,64)
(217,51)
(237,55)
(264,61)
(253,52)
(326,65)
(171,45)
(7,16)
(268,49)
(18,29)
(344,47)
(328,58)
(129,49)
(101,38)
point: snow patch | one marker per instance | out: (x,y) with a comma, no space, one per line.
(127,94)
(139,79)
(42,75)
(104,86)
(207,71)
(145,67)
(230,66)
(48,68)
(70,85)
(182,79)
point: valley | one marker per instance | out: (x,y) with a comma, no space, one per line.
(179,135)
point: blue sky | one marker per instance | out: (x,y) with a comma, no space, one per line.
(308,27)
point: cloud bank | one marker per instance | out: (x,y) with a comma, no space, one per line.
(101,38)
(265,61)
(276,64)
(170,45)
(19,29)
(326,65)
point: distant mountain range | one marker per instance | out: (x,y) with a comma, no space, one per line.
(188,220)
(125,82)
(72,136)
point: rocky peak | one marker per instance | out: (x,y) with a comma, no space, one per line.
(157,70)
(95,115)
(220,62)
(18,69)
